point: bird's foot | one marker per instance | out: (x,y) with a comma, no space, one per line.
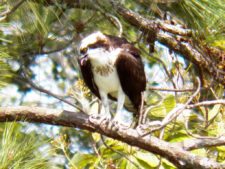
(121,124)
(104,121)
(118,121)
(99,119)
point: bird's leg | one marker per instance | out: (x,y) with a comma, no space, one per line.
(105,114)
(119,111)
(120,103)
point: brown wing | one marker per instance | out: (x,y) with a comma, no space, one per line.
(85,67)
(131,74)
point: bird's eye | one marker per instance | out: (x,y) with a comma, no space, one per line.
(83,50)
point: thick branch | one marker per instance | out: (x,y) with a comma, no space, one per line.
(175,154)
(193,55)
(146,24)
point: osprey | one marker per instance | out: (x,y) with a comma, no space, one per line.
(112,68)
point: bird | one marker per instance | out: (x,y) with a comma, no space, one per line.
(112,68)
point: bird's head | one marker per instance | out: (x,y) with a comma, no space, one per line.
(93,46)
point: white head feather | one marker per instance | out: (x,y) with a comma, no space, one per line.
(91,39)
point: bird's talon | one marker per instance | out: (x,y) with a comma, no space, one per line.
(99,119)
(141,130)
(93,118)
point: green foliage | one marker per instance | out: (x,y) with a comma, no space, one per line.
(119,155)
(19,150)
(164,107)
(84,160)
(206,17)
(5,74)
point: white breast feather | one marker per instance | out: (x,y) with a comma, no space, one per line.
(100,57)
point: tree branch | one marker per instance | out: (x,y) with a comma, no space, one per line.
(38,88)
(173,113)
(206,103)
(11,11)
(170,90)
(175,154)
(192,144)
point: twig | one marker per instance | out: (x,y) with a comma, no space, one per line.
(94,146)
(52,94)
(192,144)
(163,64)
(113,19)
(170,90)
(206,103)
(51,51)
(175,112)
(118,23)
(26,78)
(213,92)
(9,12)
(194,135)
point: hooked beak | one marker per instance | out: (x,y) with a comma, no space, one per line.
(83,59)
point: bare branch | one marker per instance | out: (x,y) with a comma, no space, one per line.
(34,86)
(206,103)
(163,65)
(147,24)
(175,154)
(118,23)
(175,112)
(171,90)
(195,135)
(192,144)
(175,29)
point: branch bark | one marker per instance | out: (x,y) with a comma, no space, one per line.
(176,154)
(192,144)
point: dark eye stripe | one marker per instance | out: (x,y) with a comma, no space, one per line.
(93,46)
(98,45)
(83,51)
